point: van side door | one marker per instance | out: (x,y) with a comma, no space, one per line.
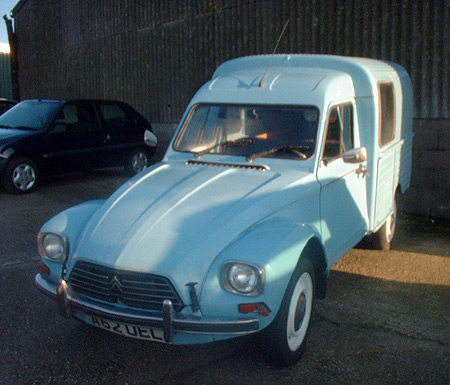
(388,162)
(343,200)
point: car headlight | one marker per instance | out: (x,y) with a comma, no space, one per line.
(52,246)
(242,278)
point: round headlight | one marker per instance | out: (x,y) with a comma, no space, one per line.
(242,278)
(53,247)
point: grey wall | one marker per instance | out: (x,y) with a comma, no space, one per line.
(429,193)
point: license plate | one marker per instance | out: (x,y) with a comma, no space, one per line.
(140,332)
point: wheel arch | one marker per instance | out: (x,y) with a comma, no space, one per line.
(71,222)
(148,149)
(36,158)
(314,251)
(277,245)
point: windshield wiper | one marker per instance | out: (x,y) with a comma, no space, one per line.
(229,143)
(3,126)
(295,149)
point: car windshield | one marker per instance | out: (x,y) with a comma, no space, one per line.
(250,131)
(30,114)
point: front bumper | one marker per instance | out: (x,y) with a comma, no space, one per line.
(167,320)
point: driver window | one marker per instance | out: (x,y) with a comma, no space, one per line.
(339,132)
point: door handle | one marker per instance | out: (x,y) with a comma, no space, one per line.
(362,170)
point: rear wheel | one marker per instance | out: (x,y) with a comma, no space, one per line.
(382,239)
(285,339)
(21,176)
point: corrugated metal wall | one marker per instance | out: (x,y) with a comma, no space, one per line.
(5,76)
(156,54)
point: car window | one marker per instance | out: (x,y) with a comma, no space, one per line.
(78,117)
(114,116)
(339,132)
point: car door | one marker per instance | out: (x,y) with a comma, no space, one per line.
(121,133)
(343,188)
(75,140)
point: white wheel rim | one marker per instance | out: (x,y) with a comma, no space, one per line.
(24,177)
(301,302)
(392,222)
(139,161)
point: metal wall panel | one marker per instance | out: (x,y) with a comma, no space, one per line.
(5,76)
(156,54)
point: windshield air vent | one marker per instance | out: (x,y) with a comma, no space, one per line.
(230,165)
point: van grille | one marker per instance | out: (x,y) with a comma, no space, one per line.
(138,290)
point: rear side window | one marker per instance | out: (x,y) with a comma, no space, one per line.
(114,116)
(387,113)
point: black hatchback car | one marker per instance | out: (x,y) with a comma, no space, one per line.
(6,104)
(42,137)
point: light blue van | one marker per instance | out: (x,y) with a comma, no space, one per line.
(280,165)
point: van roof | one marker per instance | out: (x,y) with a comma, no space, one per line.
(365,72)
(281,86)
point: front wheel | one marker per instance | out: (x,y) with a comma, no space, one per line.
(137,161)
(21,176)
(285,339)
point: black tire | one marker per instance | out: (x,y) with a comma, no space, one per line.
(285,338)
(382,239)
(21,176)
(137,161)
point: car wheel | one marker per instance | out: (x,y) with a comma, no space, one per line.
(21,176)
(285,338)
(382,239)
(137,161)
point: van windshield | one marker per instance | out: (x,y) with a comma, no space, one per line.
(250,131)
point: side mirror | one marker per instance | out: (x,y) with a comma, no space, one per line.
(355,155)
(150,138)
